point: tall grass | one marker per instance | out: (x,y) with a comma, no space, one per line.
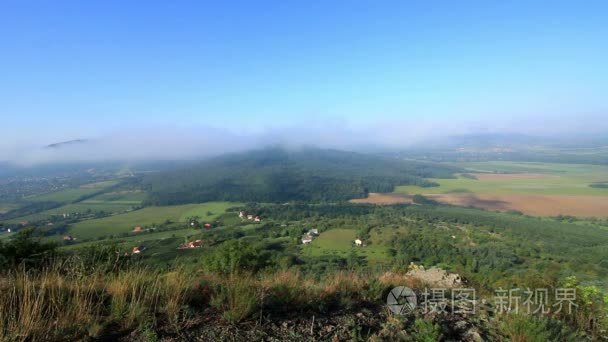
(67,303)
(55,304)
(39,306)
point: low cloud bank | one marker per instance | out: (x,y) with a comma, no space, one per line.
(171,142)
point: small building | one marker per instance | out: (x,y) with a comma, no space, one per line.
(313,232)
(137,229)
(306,239)
(68,238)
(250,217)
(242,214)
(191,244)
(257,219)
(138,249)
(358,242)
(196,244)
(207,225)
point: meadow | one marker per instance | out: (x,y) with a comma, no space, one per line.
(119,197)
(77,208)
(71,194)
(339,242)
(5,207)
(147,217)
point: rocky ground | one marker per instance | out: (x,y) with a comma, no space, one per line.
(374,323)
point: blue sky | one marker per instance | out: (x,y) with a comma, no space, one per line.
(81,68)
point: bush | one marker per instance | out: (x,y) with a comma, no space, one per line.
(237,298)
(25,249)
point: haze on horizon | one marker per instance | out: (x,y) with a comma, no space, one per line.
(185,79)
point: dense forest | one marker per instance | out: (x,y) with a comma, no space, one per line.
(276,175)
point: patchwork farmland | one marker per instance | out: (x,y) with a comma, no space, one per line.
(531,188)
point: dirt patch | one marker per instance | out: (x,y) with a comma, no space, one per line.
(510,176)
(389,198)
(539,205)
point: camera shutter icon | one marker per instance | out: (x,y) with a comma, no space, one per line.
(401,300)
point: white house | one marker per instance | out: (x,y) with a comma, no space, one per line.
(306,239)
(250,217)
(241,214)
(313,232)
(257,219)
(358,242)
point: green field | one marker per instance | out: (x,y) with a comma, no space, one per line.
(117,202)
(545,179)
(140,239)
(149,216)
(76,208)
(5,207)
(340,242)
(119,197)
(71,194)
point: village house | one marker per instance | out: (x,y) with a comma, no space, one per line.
(137,229)
(250,217)
(257,219)
(242,214)
(138,249)
(306,239)
(358,242)
(68,238)
(207,225)
(313,232)
(191,244)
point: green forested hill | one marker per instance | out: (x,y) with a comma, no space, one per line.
(275,175)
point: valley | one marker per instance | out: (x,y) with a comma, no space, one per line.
(468,222)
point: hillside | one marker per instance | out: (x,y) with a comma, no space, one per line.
(275,175)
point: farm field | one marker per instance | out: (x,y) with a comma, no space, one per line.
(532,188)
(148,216)
(149,238)
(6,207)
(76,208)
(379,198)
(339,242)
(71,194)
(119,197)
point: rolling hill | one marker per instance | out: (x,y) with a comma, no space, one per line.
(277,175)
